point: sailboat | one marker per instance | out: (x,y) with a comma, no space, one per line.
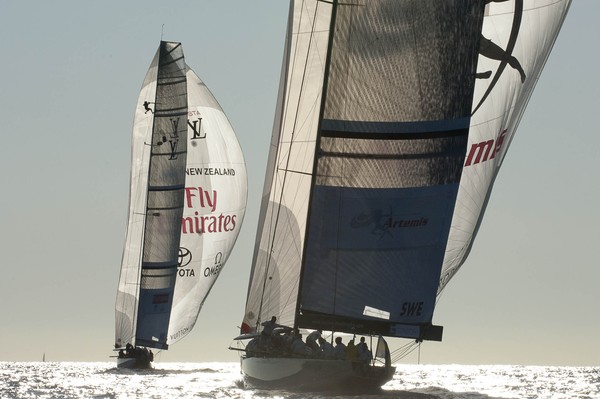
(392,121)
(187,203)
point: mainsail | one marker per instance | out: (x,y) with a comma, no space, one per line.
(393,119)
(214,203)
(150,255)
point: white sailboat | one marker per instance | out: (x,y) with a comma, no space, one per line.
(187,203)
(393,119)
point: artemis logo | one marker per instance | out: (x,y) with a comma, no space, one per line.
(382,223)
(480,152)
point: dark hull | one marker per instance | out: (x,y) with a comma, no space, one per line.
(133,363)
(300,374)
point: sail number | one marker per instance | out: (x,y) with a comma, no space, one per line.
(412,309)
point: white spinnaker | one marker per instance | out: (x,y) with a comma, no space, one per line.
(128,290)
(494,123)
(215,203)
(282,222)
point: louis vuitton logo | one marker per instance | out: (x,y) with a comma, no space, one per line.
(173,139)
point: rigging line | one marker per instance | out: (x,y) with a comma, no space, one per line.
(294,171)
(408,351)
(402,349)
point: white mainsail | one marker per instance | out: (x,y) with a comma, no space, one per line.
(388,135)
(215,202)
(150,255)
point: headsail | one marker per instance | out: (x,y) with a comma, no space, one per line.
(150,256)
(366,180)
(274,278)
(215,203)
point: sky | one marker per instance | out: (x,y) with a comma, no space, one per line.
(69,80)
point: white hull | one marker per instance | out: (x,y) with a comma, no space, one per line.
(302,374)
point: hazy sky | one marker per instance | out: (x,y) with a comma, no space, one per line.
(69,79)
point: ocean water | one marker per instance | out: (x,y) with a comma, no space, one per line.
(223,380)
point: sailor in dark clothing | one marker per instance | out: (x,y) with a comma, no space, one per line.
(266,334)
(313,339)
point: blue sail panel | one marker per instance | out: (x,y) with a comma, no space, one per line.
(379,250)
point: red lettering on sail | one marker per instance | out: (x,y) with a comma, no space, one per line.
(485,150)
(197,223)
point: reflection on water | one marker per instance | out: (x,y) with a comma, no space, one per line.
(223,380)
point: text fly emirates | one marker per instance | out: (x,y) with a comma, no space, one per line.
(196,197)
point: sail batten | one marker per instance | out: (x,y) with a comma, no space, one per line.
(166,113)
(412,127)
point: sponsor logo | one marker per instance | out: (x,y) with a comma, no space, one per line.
(184,259)
(210,171)
(196,129)
(179,333)
(172,140)
(485,150)
(383,224)
(216,268)
(197,197)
